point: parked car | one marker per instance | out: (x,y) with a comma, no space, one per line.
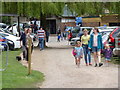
(3,25)
(105,34)
(103,31)
(75,30)
(13,28)
(112,37)
(2,43)
(78,31)
(7,44)
(116,50)
(6,31)
(11,39)
(82,28)
(74,40)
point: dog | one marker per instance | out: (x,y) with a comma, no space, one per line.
(18,58)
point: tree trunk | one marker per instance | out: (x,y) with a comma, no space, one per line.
(43,24)
(43,21)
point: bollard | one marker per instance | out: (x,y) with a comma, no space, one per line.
(29,55)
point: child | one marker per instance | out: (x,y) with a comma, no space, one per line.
(79,53)
(107,53)
(59,36)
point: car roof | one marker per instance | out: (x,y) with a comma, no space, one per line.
(103,30)
(86,27)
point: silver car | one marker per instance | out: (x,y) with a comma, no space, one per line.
(74,40)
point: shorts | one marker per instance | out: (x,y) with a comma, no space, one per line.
(107,59)
(95,49)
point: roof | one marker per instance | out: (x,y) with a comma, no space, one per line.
(67,12)
(15,15)
(91,17)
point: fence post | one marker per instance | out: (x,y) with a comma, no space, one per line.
(29,55)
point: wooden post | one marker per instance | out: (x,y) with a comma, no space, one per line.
(29,55)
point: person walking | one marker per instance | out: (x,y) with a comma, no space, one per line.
(41,35)
(85,39)
(58,35)
(107,54)
(23,43)
(28,36)
(78,50)
(69,35)
(96,45)
(47,35)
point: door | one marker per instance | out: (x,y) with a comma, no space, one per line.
(52,26)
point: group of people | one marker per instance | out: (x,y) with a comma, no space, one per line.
(64,35)
(43,36)
(91,43)
(24,43)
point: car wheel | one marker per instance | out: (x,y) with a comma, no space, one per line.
(11,47)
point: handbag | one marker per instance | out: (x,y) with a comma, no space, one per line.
(73,52)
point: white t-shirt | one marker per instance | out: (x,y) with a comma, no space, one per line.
(95,40)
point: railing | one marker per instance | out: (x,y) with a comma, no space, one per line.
(2,48)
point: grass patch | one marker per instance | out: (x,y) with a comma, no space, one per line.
(15,76)
(116,60)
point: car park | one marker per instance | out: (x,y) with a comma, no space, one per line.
(11,39)
(104,32)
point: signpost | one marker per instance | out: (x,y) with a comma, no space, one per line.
(29,55)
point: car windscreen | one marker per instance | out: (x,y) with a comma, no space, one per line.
(105,32)
(4,35)
(116,32)
(75,30)
(89,30)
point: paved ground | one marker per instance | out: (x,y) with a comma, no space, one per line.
(57,63)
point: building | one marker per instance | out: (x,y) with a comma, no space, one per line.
(54,23)
(101,20)
(110,20)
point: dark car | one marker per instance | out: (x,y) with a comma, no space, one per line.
(75,30)
(78,31)
(112,37)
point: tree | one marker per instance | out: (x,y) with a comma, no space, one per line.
(43,9)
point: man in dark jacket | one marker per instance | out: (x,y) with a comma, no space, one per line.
(23,43)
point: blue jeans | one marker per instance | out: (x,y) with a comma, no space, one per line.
(41,43)
(87,54)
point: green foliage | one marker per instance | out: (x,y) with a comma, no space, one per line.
(6,19)
(35,9)
(116,60)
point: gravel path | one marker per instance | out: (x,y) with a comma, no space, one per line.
(57,64)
